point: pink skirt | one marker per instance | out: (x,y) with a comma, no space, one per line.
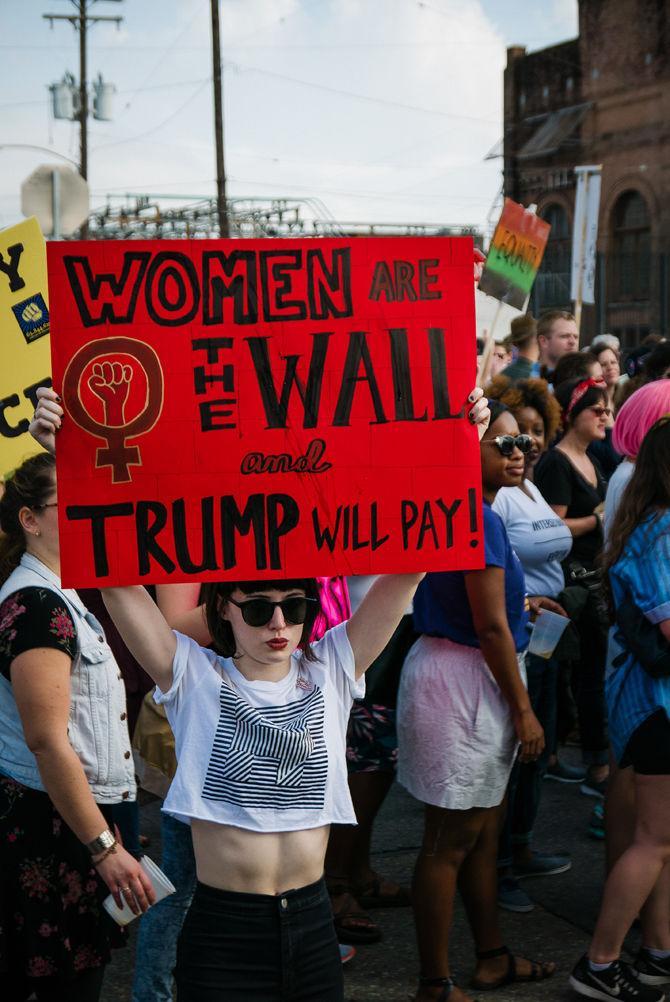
(456,739)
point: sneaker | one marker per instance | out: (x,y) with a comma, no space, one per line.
(561,772)
(594,788)
(616,982)
(512,897)
(347,952)
(652,970)
(597,821)
(542,864)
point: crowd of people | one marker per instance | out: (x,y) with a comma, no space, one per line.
(272,717)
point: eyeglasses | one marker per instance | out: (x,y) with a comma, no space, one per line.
(259,611)
(41,507)
(600,411)
(508,443)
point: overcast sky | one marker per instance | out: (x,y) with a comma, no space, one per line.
(382,109)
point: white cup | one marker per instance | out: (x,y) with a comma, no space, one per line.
(160,883)
(547,631)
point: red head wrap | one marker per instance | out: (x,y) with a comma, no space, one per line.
(577,394)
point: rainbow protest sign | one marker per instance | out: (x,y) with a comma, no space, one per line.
(515,255)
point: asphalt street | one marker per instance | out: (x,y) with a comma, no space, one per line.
(557,929)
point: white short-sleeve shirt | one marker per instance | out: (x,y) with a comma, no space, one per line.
(540,539)
(266,756)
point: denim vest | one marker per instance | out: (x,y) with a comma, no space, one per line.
(97,726)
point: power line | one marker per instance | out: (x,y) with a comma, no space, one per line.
(164,53)
(380,196)
(155,128)
(356,96)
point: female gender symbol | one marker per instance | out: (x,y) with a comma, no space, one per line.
(110,381)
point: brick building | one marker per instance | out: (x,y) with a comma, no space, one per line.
(602,98)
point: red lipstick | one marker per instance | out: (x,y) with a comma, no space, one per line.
(277,645)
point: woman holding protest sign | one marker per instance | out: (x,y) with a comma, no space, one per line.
(463,710)
(260,728)
(65,761)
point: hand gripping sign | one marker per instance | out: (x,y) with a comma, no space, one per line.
(108,369)
(264,409)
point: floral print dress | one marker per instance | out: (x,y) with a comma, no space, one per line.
(52,924)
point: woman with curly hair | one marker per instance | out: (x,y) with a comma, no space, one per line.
(535,408)
(541,540)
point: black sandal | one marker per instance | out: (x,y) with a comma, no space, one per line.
(447,985)
(538,971)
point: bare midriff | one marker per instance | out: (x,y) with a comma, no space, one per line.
(236,859)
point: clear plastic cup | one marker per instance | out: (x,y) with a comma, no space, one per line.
(160,883)
(547,631)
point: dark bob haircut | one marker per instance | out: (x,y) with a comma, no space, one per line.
(223,639)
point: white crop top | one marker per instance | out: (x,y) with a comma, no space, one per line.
(267,756)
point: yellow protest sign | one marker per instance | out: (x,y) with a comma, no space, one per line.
(25,360)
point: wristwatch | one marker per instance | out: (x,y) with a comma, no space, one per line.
(104,841)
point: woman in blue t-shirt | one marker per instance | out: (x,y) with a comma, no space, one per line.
(463,709)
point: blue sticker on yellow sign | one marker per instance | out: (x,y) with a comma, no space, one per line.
(33,317)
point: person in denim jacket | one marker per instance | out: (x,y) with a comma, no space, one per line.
(65,760)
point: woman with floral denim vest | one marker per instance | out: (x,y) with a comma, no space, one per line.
(65,759)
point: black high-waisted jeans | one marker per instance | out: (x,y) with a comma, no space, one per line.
(259,948)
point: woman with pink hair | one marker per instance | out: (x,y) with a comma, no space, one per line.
(636,416)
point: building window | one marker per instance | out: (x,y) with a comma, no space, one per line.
(552,285)
(631,249)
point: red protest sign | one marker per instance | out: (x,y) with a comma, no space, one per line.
(248,410)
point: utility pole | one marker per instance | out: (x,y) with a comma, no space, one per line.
(83,94)
(218,122)
(80,21)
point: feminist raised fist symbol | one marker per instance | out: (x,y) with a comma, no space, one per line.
(110,381)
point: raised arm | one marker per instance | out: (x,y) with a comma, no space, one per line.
(372,625)
(143,630)
(179,605)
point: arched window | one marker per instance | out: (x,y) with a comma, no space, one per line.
(631,249)
(552,285)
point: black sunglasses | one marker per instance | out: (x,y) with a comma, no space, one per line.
(259,611)
(508,443)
